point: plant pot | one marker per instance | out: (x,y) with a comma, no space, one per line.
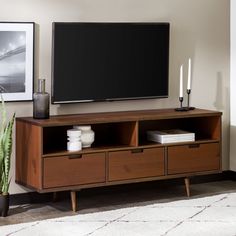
(4,204)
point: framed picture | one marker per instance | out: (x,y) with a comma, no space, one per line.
(16,60)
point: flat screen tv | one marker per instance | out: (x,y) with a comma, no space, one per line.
(109,61)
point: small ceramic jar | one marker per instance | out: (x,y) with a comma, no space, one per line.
(87,135)
(74,146)
(74,140)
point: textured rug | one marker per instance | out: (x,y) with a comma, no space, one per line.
(213,215)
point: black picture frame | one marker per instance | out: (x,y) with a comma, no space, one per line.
(17,60)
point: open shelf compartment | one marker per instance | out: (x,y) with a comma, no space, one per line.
(205,128)
(107,135)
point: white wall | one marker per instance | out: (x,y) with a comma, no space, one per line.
(199,29)
(233,85)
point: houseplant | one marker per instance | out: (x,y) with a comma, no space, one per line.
(5,158)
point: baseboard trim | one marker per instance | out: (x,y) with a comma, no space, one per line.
(34,197)
(231,175)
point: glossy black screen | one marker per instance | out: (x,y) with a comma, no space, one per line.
(109,61)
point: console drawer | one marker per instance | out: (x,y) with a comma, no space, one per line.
(138,163)
(193,158)
(73,170)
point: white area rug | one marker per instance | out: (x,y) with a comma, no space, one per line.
(214,215)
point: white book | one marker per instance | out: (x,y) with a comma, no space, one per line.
(170,136)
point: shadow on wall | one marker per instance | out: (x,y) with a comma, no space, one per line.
(91,107)
(233,148)
(36,55)
(219,104)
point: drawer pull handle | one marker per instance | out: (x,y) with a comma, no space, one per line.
(75,156)
(137,150)
(194,146)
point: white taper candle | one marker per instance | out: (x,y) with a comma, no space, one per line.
(181,82)
(189,74)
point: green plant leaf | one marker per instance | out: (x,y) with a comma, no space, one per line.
(2,127)
(5,149)
(4,115)
(1,164)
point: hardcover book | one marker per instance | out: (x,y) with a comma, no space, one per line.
(170,136)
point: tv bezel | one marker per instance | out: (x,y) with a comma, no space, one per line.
(107,99)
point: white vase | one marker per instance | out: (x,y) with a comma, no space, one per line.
(87,135)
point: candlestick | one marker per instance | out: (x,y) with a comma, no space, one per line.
(188,106)
(188,92)
(181,108)
(181,101)
(189,74)
(181,82)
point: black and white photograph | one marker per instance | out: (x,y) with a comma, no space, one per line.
(16,61)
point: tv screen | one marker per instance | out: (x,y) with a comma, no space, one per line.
(109,61)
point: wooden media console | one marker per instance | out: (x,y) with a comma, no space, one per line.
(121,153)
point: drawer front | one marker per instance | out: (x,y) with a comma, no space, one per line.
(74,170)
(138,163)
(193,158)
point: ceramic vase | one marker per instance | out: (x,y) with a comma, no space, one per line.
(87,135)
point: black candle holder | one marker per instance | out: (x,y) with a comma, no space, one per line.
(181,108)
(189,108)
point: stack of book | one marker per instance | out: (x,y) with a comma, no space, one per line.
(170,136)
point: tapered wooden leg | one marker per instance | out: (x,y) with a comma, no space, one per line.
(187,186)
(73,200)
(54,197)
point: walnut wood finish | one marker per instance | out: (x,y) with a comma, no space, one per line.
(137,163)
(109,117)
(28,154)
(128,133)
(209,127)
(120,182)
(120,154)
(54,138)
(193,157)
(187,186)
(74,202)
(74,170)
(115,134)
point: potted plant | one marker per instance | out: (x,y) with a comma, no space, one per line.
(5,159)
